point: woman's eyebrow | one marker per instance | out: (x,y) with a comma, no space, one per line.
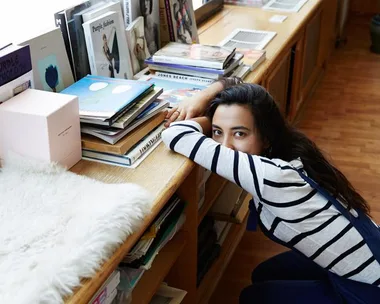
(216,126)
(240,128)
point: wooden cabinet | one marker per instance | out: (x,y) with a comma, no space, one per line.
(277,82)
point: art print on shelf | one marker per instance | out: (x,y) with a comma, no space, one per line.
(50,74)
(184,21)
(137,43)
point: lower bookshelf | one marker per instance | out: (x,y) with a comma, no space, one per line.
(214,187)
(152,278)
(213,276)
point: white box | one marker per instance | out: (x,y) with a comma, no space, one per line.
(41,125)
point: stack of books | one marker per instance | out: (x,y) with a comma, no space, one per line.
(197,63)
(121,120)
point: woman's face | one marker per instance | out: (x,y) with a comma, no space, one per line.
(233,126)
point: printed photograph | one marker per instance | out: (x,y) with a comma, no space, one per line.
(50,74)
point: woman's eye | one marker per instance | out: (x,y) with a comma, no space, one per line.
(239,134)
(217,132)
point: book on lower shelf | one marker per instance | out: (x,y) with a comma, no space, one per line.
(107,292)
(168,295)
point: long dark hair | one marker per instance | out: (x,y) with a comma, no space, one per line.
(285,142)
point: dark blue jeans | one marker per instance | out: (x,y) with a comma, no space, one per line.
(290,278)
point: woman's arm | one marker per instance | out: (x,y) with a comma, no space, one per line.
(186,138)
(196,105)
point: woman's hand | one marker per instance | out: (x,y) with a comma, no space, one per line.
(194,106)
(189,108)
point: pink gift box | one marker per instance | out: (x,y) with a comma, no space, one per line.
(41,125)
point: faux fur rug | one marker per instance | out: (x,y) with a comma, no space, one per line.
(57,227)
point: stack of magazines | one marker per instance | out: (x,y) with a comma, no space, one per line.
(197,63)
(121,120)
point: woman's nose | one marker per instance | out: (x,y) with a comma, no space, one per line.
(227,142)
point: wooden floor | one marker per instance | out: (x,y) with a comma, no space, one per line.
(343,118)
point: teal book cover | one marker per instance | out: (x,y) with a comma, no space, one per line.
(104,97)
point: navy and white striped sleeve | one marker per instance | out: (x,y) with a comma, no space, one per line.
(186,138)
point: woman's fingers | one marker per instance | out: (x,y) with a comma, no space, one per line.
(170,112)
(182,115)
(172,116)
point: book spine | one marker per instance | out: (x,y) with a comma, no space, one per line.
(164,27)
(60,21)
(90,49)
(169,20)
(186,78)
(127,12)
(15,64)
(161,68)
(144,145)
(185,61)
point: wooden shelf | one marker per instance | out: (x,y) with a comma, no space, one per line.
(152,278)
(214,187)
(240,215)
(212,278)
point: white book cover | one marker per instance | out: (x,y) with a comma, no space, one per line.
(111,6)
(16,86)
(107,46)
(138,48)
(183,20)
(50,64)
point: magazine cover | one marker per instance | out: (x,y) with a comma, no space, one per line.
(103,96)
(51,67)
(107,47)
(137,44)
(174,91)
(183,21)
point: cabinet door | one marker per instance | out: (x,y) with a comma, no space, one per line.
(277,82)
(311,65)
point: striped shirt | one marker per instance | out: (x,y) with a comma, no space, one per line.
(288,207)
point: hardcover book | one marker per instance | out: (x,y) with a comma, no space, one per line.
(174,91)
(78,50)
(132,113)
(16,73)
(194,70)
(208,56)
(51,67)
(104,96)
(107,46)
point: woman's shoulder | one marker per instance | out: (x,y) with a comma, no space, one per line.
(293,164)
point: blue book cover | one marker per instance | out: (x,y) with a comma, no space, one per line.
(174,91)
(105,97)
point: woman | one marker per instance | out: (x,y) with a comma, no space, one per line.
(331,261)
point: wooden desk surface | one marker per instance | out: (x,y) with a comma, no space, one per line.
(163,171)
(232,17)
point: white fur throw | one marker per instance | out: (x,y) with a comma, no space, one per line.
(57,227)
